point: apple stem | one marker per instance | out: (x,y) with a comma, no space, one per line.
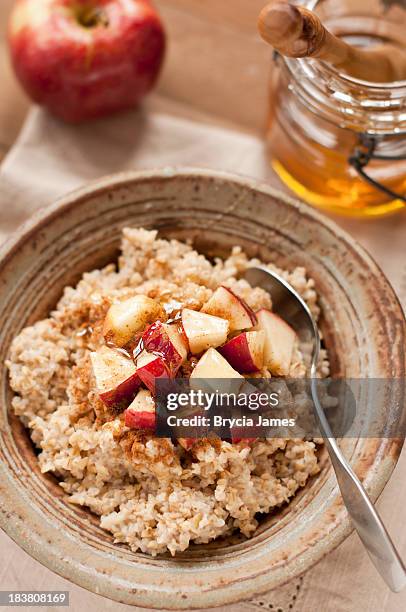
(92,17)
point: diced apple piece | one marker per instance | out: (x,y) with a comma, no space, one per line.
(167,342)
(186,443)
(235,439)
(245,352)
(213,373)
(149,368)
(203,331)
(125,319)
(280,339)
(115,376)
(178,339)
(140,414)
(238,434)
(226,304)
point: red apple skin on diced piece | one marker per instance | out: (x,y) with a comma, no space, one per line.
(140,420)
(226,304)
(280,340)
(235,439)
(245,352)
(125,319)
(186,443)
(115,376)
(151,367)
(140,414)
(168,342)
(203,331)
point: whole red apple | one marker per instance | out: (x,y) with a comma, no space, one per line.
(86,58)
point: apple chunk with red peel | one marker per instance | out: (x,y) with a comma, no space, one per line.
(186,443)
(245,352)
(149,368)
(238,434)
(125,319)
(226,304)
(280,340)
(235,438)
(115,376)
(167,342)
(213,373)
(140,414)
(203,331)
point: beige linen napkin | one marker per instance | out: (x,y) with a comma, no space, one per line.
(51,158)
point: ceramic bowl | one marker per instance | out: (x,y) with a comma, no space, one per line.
(364,330)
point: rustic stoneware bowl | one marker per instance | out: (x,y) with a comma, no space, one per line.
(364,329)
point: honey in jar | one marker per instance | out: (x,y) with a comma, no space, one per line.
(338,142)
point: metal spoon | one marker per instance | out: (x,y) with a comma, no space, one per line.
(365,518)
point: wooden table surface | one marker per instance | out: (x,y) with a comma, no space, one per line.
(13,102)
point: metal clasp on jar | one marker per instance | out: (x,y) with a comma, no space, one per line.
(363,153)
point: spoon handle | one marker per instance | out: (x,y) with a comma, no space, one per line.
(364,516)
(287,302)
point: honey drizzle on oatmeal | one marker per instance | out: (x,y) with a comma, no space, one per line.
(119,349)
(132,351)
(87,330)
(137,350)
(134,348)
(175,317)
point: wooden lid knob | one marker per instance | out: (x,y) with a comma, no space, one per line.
(295,31)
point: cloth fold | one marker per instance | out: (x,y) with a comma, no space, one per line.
(50,159)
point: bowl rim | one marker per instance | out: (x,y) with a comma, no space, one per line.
(46,214)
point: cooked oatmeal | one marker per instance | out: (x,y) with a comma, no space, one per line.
(153,494)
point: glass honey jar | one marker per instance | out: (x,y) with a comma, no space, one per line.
(338,142)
